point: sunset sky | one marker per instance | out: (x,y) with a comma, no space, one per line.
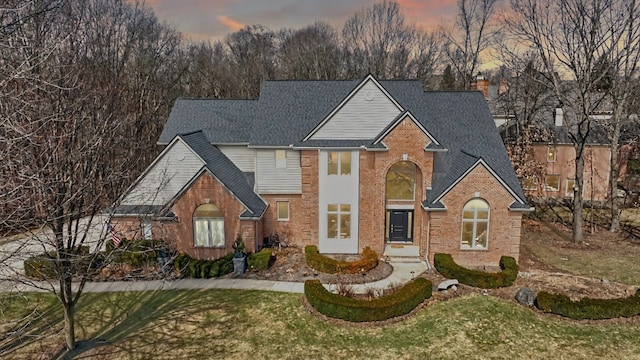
(212,19)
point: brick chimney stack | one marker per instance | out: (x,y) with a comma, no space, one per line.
(481,84)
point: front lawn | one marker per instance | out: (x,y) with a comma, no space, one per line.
(236,324)
(602,255)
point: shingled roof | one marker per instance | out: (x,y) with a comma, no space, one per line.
(287,111)
(227,173)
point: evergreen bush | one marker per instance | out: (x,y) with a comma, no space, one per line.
(448,268)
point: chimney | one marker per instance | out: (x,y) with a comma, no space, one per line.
(481,84)
(559,116)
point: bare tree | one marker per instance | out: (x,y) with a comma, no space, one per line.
(622,65)
(310,53)
(523,98)
(468,38)
(251,54)
(569,36)
(377,40)
(77,106)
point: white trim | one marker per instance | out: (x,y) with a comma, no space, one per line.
(400,207)
(470,169)
(403,116)
(346,100)
(529,209)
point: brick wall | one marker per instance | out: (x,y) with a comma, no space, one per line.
(504,225)
(292,230)
(309,199)
(206,187)
(405,139)
(596,171)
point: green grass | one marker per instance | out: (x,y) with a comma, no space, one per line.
(602,254)
(235,324)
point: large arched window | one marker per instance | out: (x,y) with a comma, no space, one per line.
(208,226)
(475,224)
(401,181)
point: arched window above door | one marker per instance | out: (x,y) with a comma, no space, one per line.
(401,181)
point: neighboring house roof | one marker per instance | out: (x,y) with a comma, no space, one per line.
(459,124)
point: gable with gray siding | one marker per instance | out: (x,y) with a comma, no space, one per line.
(271,179)
(166,176)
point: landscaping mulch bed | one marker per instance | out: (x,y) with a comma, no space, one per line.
(290,265)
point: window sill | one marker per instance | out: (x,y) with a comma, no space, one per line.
(209,247)
(477,248)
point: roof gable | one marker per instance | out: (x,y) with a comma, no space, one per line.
(166,176)
(479,162)
(227,173)
(366,111)
(405,115)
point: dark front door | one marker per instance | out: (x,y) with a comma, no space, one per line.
(400,225)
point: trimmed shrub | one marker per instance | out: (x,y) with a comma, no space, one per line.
(203,269)
(587,308)
(138,253)
(40,267)
(43,266)
(399,303)
(328,265)
(448,268)
(260,260)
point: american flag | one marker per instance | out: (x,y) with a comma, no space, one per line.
(115,237)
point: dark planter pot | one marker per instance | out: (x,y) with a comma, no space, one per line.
(239,265)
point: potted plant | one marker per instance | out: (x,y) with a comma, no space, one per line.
(239,256)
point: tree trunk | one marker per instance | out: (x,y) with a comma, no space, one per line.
(613,177)
(578,231)
(69,327)
(66,296)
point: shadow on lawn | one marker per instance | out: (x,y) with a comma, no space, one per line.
(110,325)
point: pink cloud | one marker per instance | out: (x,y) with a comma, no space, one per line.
(428,14)
(233,25)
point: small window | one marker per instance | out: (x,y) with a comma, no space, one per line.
(551,154)
(283,210)
(338,221)
(569,188)
(281,159)
(338,163)
(552,183)
(530,183)
(146,229)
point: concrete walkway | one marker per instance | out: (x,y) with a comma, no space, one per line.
(402,273)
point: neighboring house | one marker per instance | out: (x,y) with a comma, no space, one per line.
(339,164)
(551,171)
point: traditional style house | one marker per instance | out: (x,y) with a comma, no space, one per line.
(550,166)
(339,164)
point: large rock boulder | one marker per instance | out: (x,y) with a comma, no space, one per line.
(445,285)
(526,296)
